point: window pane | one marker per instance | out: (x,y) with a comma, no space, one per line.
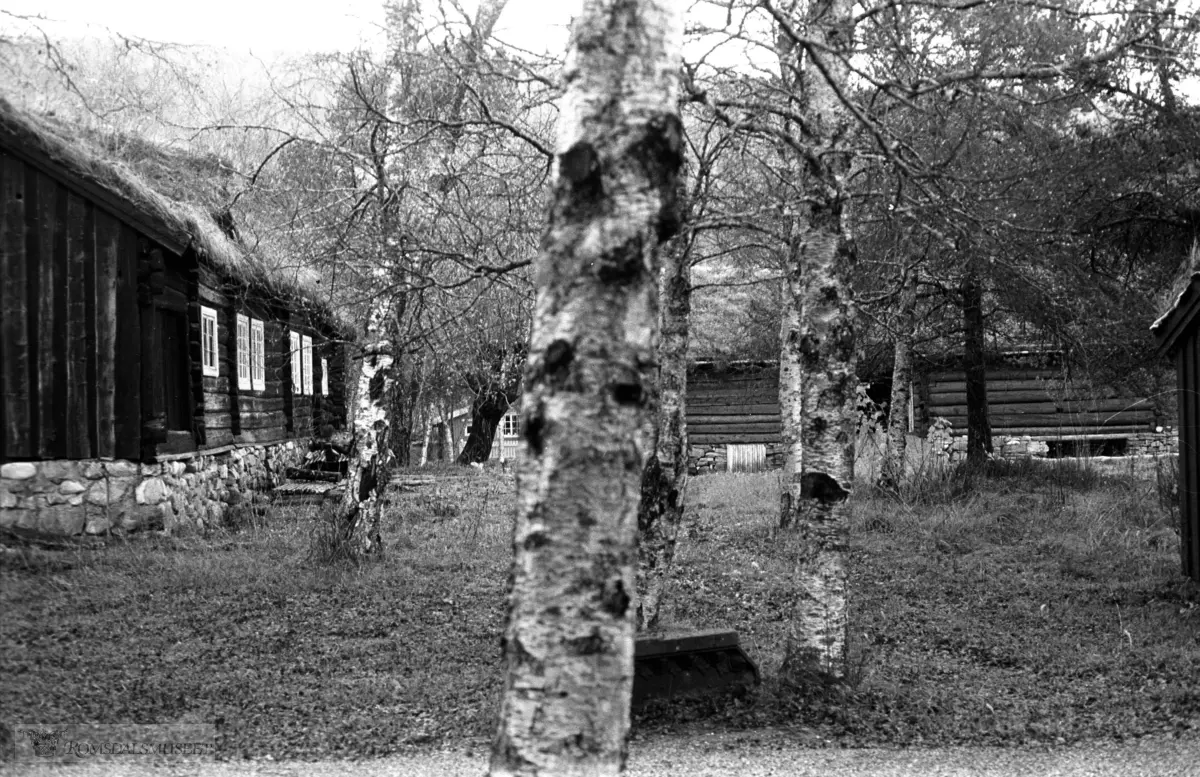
(243,352)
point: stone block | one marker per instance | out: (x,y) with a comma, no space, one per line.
(122,469)
(69,487)
(97,524)
(18,470)
(59,470)
(10,516)
(92,470)
(8,500)
(61,519)
(150,491)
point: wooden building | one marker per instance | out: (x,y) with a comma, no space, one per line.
(733,409)
(733,416)
(133,323)
(1178,335)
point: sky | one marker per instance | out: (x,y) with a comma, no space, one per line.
(268,26)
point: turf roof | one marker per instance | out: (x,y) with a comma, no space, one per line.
(173,196)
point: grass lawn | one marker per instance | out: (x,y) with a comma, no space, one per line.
(1032,606)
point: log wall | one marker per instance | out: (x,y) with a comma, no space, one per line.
(735,405)
(1042,404)
(70,271)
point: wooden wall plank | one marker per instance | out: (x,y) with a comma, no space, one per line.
(710,439)
(699,408)
(80,252)
(51,241)
(15,364)
(1187,362)
(108,240)
(35,305)
(62,320)
(128,406)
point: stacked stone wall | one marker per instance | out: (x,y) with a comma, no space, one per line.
(191,492)
(713,457)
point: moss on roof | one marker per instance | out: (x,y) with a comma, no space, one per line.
(175,195)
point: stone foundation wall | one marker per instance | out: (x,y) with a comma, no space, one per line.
(712,457)
(96,496)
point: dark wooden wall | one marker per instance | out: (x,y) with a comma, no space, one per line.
(93,317)
(1187,364)
(1034,402)
(69,355)
(737,404)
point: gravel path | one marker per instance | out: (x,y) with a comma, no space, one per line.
(723,755)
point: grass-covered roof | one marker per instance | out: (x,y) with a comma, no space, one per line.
(175,197)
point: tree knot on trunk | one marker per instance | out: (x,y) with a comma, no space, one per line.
(615,600)
(822,488)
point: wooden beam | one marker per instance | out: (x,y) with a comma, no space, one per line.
(15,367)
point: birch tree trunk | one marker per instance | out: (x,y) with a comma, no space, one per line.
(979,428)
(370,461)
(817,360)
(569,637)
(892,470)
(664,479)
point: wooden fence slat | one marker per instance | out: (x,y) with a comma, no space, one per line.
(108,237)
(14,311)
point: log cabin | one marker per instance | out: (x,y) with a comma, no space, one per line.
(1178,336)
(153,370)
(1034,405)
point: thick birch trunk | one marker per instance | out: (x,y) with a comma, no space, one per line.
(370,461)
(569,638)
(817,360)
(979,428)
(664,479)
(892,471)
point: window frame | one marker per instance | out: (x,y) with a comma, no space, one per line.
(297,362)
(306,363)
(258,359)
(210,365)
(244,381)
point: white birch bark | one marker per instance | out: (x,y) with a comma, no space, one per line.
(370,461)
(664,480)
(569,637)
(817,363)
(892,469)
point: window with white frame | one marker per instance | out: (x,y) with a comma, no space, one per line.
(208,342)
(306,350)
(297,362)
(324,377)
(512,425)
(258,358)
(243,352)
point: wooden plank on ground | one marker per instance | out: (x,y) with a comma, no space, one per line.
(108,257)
(15,363)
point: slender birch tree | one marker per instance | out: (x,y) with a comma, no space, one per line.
(817,361)
(569,638)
